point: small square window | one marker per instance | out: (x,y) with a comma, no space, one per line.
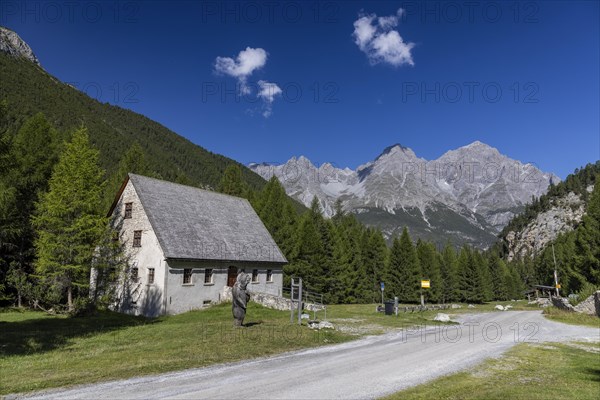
(128,210)
(135,274)
(269,275)
(208,275)
(137,238)
(254,276)
(150,276)
(187,276)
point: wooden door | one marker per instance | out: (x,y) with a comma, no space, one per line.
(231,276)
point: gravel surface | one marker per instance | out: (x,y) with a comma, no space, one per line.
(366,368)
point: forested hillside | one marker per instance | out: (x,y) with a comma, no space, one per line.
(577,183)
(576,246)
(28,90)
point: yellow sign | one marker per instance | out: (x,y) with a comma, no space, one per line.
(425,284)
(558,285)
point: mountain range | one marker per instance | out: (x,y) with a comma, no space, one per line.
(466,196)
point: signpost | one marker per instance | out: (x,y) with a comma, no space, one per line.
(382,289)
(425,284)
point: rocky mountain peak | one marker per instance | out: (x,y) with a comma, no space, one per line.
(470,192)
(12,44)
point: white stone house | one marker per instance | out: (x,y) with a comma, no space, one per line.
(186,246)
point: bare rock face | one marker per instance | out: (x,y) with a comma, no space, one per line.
(469,193)
(562,217)
(590,306)
(12,44)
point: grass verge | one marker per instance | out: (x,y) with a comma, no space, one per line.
(39,351)
(573,318)
(528,371)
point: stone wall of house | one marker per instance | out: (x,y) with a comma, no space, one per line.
(198,293)
(271,301)
(139,296)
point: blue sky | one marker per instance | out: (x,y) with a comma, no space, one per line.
(337,81)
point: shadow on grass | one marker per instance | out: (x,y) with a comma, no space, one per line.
(249,324)
(595,372)
(46,333)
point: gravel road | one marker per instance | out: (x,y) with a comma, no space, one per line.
(367,368)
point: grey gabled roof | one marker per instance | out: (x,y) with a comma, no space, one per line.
(197,224)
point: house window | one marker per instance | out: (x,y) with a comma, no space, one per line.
(269,275)
(187,276)
(137,238)
(135,274)
(150,276)
(128,210)
(208,276)
(254,276)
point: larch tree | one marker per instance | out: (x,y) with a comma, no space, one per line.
(68,218)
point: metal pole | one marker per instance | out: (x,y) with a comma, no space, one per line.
(299,301)
(555,273)
(292,302)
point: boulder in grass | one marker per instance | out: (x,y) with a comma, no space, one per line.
(442,317)
(499,307)
(320,325)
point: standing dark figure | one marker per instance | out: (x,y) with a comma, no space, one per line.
(240,298)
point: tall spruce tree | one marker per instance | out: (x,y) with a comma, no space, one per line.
(276,211)
(309,255)
(68,219)
(449,273)
(405,269)
(374,254)
(33,153)
(430,268)
(232,182)
(133,161)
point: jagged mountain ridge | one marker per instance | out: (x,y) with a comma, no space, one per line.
(467,195)
(12,44)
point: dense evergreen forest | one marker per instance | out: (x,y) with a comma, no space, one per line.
(52,219)
(64,155)
(577,252)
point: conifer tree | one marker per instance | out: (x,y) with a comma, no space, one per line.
(232,182)
(405,269)
(276,211)
(68,219)
(34,153)
(308,255)
(587,239)
(133,161)
(430,268)
(374,254)
(449,274)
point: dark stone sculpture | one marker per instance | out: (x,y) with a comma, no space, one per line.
(240,298)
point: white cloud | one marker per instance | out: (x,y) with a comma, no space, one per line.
(376,37)
(246,62)
(267,92)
